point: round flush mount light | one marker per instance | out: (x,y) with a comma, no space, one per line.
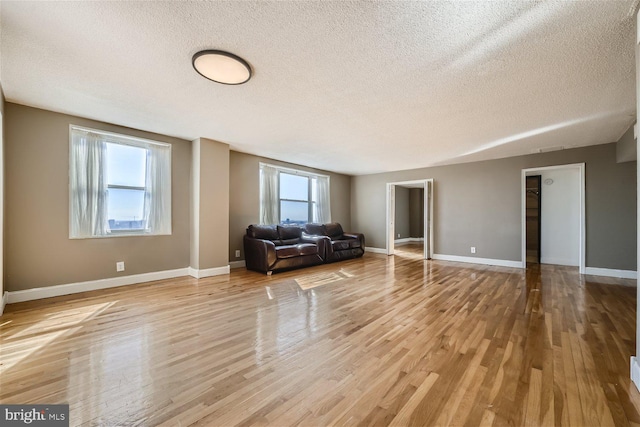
(221,67)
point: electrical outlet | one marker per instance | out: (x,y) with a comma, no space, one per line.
(398,235)
(473,249)
(237,253)
(120,266)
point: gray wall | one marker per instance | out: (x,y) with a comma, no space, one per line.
(626,147)
(403,219)
(479,204)
(38,250)
(244,196)
(416,212)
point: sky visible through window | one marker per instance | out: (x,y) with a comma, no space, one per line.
(126,166)
(293,188)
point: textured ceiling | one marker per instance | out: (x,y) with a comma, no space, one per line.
(354,87)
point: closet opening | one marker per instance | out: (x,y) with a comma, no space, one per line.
(533,218)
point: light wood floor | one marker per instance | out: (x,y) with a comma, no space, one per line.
(410,250)
(384,341)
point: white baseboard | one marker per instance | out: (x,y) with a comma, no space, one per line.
(635,372)
(409,240)
(608,272)
(375,250)
(474,260)
(237,264)
(209,272)
(558,261)
(3,303)
(91,285)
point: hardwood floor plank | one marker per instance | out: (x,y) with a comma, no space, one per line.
(404,416)
(532,413)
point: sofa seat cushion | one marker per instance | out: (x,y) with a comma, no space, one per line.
(290,251)
(340,245)
(354,243)
(290,242)
(307,249)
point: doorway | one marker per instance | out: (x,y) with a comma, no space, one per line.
(533,217)
(410,225)
(561,215)
(409,221)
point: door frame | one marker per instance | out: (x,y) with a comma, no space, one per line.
(427,185)
(523,215)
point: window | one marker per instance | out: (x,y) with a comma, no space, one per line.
(289,196)
(119,185)
(296,198)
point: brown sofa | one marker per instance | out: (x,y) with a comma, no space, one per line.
(340,245)
(272,248)
(269,248)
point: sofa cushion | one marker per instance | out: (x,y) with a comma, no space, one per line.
(290,235)
(354,243)
(287,251)
(307,249)
(334,230)
(315,229)
(290,251)
(266,232)
(340,245)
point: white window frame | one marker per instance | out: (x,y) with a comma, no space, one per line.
(129,231)
(290,171)
(121,139)
(310,202)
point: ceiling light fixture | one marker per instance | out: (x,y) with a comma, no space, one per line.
(221,67)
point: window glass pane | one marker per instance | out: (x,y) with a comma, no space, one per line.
(126,165)
(294,212)
(294,187)
(125,209)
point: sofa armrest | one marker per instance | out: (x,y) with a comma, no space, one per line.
(323,243)
(259,254)
(358,236)
(312,238)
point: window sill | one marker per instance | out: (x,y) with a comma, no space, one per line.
(121,234)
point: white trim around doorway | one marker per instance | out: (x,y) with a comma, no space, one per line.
(582,243)
(427,185)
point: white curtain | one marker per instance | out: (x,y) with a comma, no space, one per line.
(269,195)
(322,206)
(157,197)
(88,186)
